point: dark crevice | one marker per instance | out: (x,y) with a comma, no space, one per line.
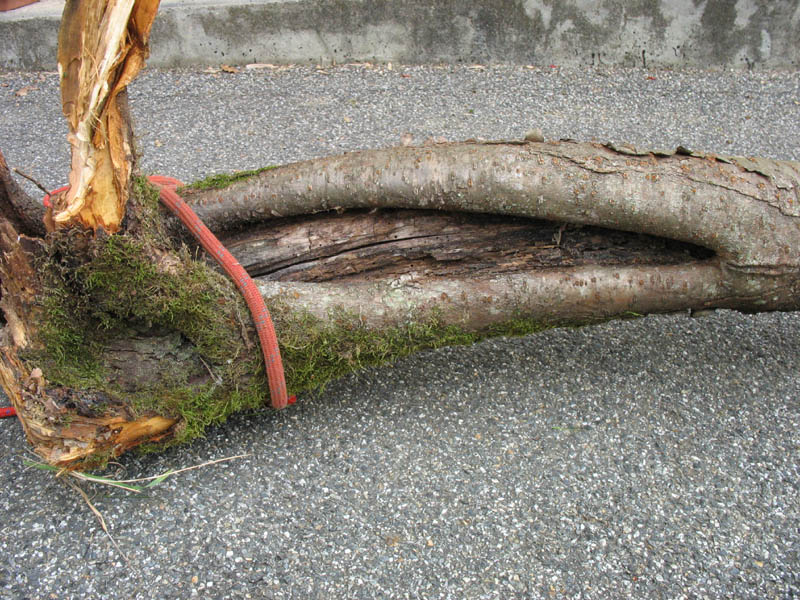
(365,245)
(275,273)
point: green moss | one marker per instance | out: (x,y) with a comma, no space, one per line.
(69,353)
(64,337)
(314,352)
(223,180)
(516,327)
(101,290)
(317,351)
(127,286)
(202,406)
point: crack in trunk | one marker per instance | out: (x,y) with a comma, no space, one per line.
(389,244)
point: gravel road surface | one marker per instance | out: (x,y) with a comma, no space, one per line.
(651,458)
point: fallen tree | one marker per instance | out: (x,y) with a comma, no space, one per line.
(119,331)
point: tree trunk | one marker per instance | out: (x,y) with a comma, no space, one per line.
(366,257)
(118,332)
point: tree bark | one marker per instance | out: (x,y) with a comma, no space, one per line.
(736,218)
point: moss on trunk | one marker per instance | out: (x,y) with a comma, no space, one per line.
(136,323)
(133,320)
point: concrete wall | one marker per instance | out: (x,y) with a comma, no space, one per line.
(651,33)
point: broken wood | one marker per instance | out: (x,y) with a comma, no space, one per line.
(102,45)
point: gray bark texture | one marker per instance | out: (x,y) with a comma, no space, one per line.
(739,217)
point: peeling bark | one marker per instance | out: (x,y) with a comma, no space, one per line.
(102,45)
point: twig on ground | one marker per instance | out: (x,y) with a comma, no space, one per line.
(31,179)
(125,484)
(99,516)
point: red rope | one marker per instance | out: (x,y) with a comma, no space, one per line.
(248,289)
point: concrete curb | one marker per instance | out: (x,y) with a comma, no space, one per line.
(657,33)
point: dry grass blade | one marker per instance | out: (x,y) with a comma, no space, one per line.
(99,516)
(163,476)
(127,484)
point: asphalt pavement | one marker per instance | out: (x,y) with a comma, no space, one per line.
(650,458)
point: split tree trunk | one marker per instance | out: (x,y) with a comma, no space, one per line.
(111,341)
(736,219)
(102,46)
(469,237)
